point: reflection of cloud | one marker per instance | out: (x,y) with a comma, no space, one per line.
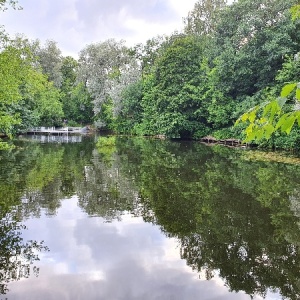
(91,259)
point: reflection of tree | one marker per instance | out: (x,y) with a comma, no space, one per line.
(233,217)
(227,213)
(40,176)
(16,256)
(104,191)
(33,177)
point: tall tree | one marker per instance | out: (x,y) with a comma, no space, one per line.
(176,94)
(50,59)
(104,68)
(202,19)
(252,38)
(12,71)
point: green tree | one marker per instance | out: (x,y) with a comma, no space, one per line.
(40,104)
(50,59)
(130,116)
(77,105)
(274,114)
(101,67)
(13,69)
(172,101)
(202,19)
(253,38)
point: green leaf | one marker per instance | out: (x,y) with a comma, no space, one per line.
(251,136)
(288,124)
(249,129)
(281,121)
(259,134)
(269,129)
(298,94)
(298,117)
(287,89)
(272,108)
(252,116)
(244,117)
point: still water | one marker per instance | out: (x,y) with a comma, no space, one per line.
(147,219)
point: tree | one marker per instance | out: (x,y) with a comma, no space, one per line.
(76,100)
(174,103)
(202,19)
(149,52)
(274,115)
(263,120)
(104,68)
(50,58)
(130,116)
(253,38)
(12,71)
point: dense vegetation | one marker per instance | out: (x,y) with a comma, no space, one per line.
(229,59)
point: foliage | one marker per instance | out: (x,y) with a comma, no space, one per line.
(105,68)
(76,100)
(295,11)
(229,58)
(40,100)
(149,52)
(130,116)
(171,101)
(272,117)
(49,58)
(253,37)
(12,71)
(203,18)
(16,255)
(106,146)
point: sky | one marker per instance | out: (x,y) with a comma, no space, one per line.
(73,24)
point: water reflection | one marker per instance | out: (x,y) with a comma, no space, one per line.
(92,259)
(231,220)
(64,138)
(17,256)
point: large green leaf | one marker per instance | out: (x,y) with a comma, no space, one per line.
(287,89)
(288,124)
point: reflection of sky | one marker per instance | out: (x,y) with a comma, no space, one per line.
(91,259)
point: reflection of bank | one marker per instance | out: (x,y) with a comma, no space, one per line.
(65,138)
(17,256)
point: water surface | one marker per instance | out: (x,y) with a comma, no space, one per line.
(147,219)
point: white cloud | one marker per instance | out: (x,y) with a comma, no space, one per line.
(74,24)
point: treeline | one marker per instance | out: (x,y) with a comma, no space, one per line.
(228,59)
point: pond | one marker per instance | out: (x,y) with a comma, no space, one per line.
(147,219)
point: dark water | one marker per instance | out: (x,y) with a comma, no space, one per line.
(147,219)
